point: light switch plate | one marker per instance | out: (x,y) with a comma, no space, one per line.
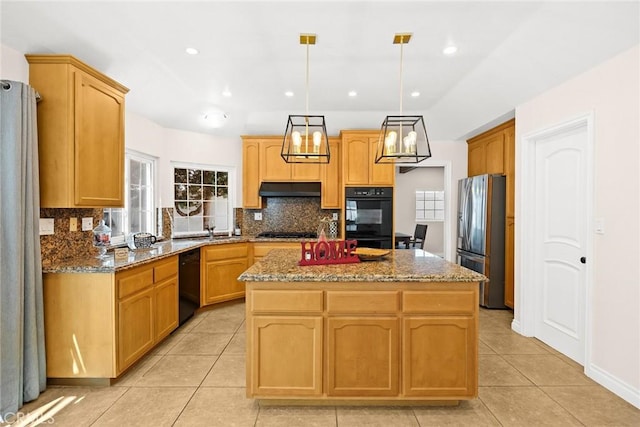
(335,216)
(87,224)
(73,224)
(46,226)
(257,216)
(599,225)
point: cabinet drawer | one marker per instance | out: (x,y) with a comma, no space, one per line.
(164,269)
(286,301)
(261,249)
(362,302)
(441,302)
(134,280)
(225,251)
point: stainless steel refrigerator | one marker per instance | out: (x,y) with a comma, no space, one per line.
(481,216)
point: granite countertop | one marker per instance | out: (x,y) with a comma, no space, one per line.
(159,250)
(403,265)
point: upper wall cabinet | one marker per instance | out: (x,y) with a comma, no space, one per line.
(80,133)
(262,161)
(358,160)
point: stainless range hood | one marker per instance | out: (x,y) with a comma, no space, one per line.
(289,189)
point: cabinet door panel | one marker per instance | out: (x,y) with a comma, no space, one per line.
(476,158)
(135,327)
(166,308)
(251,175)
(99,144)
(379,173)
(508,263)
(494,147)
(221,283)
(272,165)
(286,356)
(362,356)
(355,169)
(439,356)
(331,184)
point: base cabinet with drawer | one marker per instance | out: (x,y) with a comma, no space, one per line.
(220,270)
(99,324)
(394,342)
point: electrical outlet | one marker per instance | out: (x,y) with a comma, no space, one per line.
(46,226)
(257,216)
(87,224)
(73,224)
(335,216)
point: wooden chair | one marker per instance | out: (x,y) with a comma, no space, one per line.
(419,236)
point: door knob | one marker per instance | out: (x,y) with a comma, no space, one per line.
(583,260)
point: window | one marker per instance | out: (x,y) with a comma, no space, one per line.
(138,212)
(429,205)
(202,198)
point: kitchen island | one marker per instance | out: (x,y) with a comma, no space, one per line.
(399,330)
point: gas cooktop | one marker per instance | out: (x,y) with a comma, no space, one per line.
(289,234)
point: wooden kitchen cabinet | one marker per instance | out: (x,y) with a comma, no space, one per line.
(80,133)
(331,182)
(397,341)
(272,165)
(220,270)
(251,175)
(362,356)
(509,245)
(99,324)
(261,249)
(493,152)
(147,308)
(358,160)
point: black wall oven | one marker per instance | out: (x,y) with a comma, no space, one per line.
(369,216)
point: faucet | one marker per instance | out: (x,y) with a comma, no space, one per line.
(210,231)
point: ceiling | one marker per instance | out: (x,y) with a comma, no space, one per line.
(508,52)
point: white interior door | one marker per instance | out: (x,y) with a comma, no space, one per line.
(560,236)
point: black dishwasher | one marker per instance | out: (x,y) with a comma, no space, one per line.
(188,284)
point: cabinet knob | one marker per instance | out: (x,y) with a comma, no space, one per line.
(583,260)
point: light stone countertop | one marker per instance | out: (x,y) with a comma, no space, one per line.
(401,265)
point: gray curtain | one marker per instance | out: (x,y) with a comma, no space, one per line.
(22,356)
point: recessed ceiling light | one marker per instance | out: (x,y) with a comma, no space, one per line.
(353,93)
(226,93)
(450,50)
(191,51)
(215,119)
(288,93)
(415,94)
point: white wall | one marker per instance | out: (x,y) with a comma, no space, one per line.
(168,145)
(422,178)
(13,65)
(452,155)
(611,91)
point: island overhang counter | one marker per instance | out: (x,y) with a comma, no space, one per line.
(400,330)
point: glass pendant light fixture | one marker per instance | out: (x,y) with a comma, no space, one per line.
(305,138)
(403,138)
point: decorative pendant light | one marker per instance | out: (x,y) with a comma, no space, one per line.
(305,138)
(403,138)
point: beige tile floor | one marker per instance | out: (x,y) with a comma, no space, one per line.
(196,377)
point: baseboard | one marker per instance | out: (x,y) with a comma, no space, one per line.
(615,385)
(515,326)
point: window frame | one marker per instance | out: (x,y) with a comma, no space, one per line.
(231,193)
(126,218)
(424,210)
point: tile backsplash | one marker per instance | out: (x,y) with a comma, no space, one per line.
(295,214)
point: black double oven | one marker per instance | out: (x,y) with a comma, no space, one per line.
(369,216)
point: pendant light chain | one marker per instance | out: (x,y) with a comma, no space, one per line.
(401,57)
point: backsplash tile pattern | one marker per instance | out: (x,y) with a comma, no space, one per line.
(296,214)
(64,243)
